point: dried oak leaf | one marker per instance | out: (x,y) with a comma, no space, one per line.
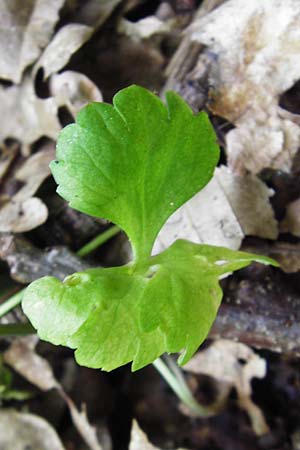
(24,212)
(25,29)
(235,364)
(66,41)
(20,430)
(26,117)
(74,90)
(139,440)
(256,50)
(227,209)
(21,356)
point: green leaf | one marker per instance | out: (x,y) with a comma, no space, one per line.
(135,162)
(135,312)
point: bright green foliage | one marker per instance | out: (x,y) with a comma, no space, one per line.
(135,163)
(135,312)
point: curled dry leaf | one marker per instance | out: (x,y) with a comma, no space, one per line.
(19,216)
(237,206)
(21,356)
(139,440)
(25,29)
(144,28)
(74,90)
(26,117)
(19,430)
(291,221)
(67,41)
(24,212)
(93,12)
(34,171)
(256,60)
(235,364)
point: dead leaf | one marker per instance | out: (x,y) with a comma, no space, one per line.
(25,29)
(19,216)
(19,430)
(21,356)
(93,12)
(256,60)
(7,157)
(26,117)
(139,440)
(237,206)
(235,364)
(291,221)
(74,90)
(34,171)
(143,28)
(24,212)
(67,41)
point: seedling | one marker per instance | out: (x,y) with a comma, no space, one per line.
(135,163)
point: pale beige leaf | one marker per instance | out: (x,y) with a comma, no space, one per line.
(21,356)
(19,216)
(19,430)
(25,29)
(67,41)
(34,171)
(235,364)
(291,221)
(144,28)
(226,210)
(74,90)
(139,440)
(24,360)
(26,117)
(256,48)
(94,12)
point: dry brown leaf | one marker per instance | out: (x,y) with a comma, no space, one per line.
(74,90)
(93,12)
(235,364)
(19,430)
(291,221)
(7,157)
(19,216)
(24,212)
(67,41)
(256,60)
(139,440)
(26,117)
(144,28)
(22,358)
(25,29)
(226,210)
(34,171)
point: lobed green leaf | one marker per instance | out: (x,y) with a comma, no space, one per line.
(135,312)
(135,162)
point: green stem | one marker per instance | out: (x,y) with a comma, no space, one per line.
(178,384)
(98,240)
(16,329)
(11,303)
